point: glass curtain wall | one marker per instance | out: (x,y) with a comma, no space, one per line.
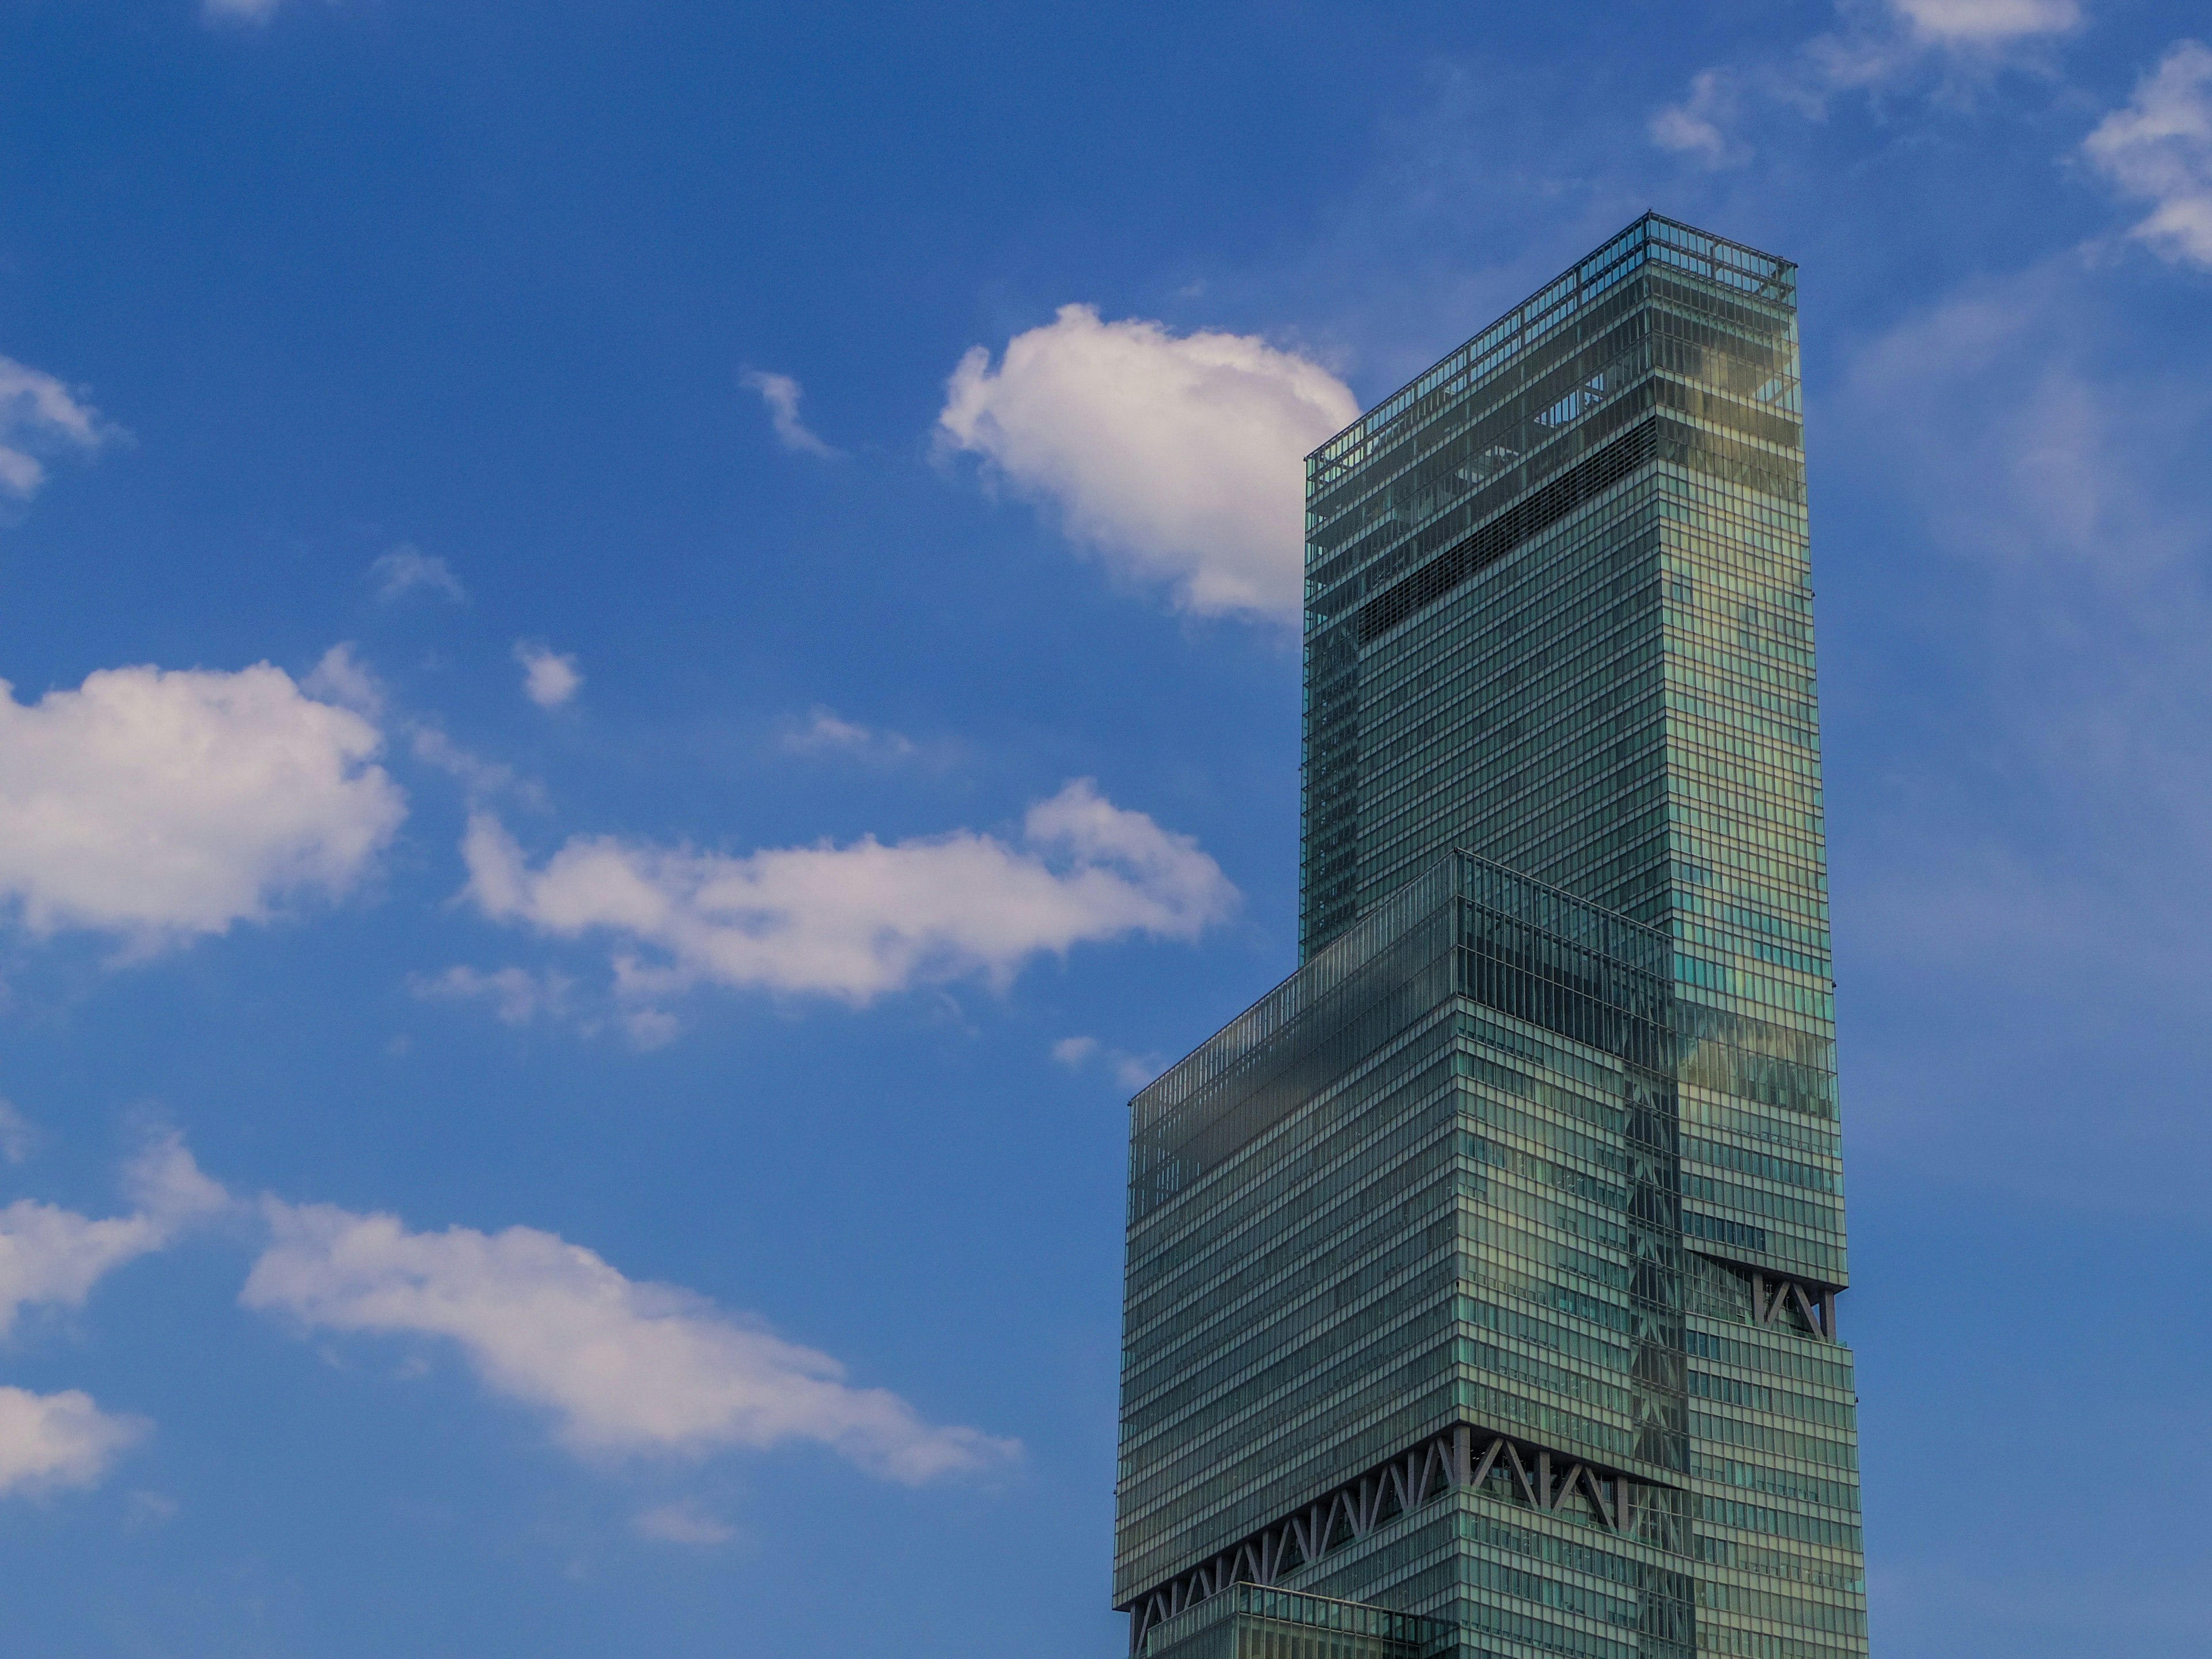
(1560,612)
(1487,1270)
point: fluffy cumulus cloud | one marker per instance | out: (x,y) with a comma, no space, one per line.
(54,1257)
(55,1440)
(1179,458)
(157,804)
(2158,150)
(621,1366)
(858,920)
(40,417)
(548,678)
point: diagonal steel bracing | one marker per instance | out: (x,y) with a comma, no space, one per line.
(1461,1456)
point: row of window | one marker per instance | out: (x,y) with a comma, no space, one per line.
(1776,1480)
(1823,1569)
(1823,1364)
(1756,1200)
(1744,1161)
(1717,1390)
(1777,1441)
(1791,1130)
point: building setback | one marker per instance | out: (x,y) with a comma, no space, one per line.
(1483,1277)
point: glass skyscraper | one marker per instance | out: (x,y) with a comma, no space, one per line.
(1483,1276)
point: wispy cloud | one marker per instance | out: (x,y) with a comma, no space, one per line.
(518,994)
(863,920)
(782,394)
(2158,150)
(1696,126)
(682,1522)
(1179,458)
(1130,1070)
(17,1137)
(2049,846)
(621,1367)
(407,569)
(342,677)
(824,733)
(1953,44)
(243,12)
(41,416)
(53,1257)
(482,779)
(162,804)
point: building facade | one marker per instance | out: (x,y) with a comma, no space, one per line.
(1483,1278)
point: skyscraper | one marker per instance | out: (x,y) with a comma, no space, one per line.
(1483,1277)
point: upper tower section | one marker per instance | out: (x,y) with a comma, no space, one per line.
(1487,591)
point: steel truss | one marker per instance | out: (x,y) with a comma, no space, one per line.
(1772,1298)
(1536,1476)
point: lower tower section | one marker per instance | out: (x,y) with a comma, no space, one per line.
(1412,1331)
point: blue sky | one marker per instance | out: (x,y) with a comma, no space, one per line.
(650,668)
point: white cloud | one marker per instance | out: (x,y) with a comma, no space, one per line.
(54,1440)
(823,732)
(237,11)
(1693,126)
(2058,754)
(548,678)
(1943,43)
(343,678)
(1073,1051)
(1180,458)
(406,569)
(52,1256)
(782,394)
(40,415)
(157,804)
(858,920)
(1131,1070)
(16,1135)
(2158,150)
(519,995)
(684,1522)
(480,777)
(1981,22)
(621,1366)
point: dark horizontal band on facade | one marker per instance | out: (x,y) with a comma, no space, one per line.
(1533,514)
(1656,436)
(1460,1458)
